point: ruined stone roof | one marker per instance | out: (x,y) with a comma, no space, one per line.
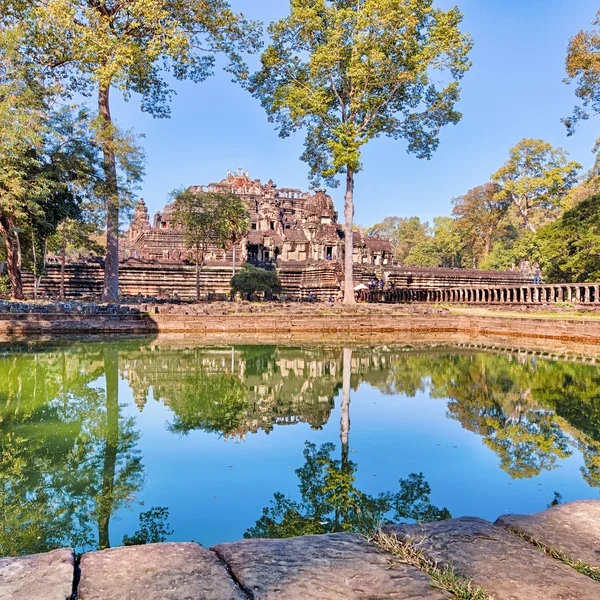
(320,205)
(328,233)
(378,244)
(255,237)
(272,238)
(295,235)
(265,238)
(167,212)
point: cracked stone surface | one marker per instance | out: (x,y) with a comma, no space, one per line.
(506,566)
(38,577)
(323,567)
(169,571)
(573,529)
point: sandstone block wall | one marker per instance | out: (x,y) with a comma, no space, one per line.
(323,278)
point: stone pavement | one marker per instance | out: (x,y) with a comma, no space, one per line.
(502,558)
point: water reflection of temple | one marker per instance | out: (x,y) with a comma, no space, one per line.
(283,385)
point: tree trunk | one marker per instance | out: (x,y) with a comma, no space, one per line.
(345,420)
(523,208)
(35,276)
(197,275)
(63,260)
(232,295)
(110,291)
(106,500)
(12,258)
(349,238)
(19,253)
(488,244)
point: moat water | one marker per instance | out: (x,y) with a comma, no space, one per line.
(130,442)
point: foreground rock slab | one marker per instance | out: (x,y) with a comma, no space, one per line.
(506,566)
(573,529)
(170,571)
(323,567)
(38,577)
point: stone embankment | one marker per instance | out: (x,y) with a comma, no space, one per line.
(365,321)
(553,555)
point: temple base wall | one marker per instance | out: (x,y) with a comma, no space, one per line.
(325,278)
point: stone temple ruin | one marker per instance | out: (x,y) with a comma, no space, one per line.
(287,226)
(296,232)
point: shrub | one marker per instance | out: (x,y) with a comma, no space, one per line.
(252,281)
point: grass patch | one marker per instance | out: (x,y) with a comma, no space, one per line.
(442,578)
(579,566)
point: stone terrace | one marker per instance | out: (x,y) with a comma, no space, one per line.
(531,557)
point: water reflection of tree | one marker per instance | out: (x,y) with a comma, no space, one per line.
(68,457)
(330,500)
(212,402)
(530,412)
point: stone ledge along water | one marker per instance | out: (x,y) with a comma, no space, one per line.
(382,321)
(328,567)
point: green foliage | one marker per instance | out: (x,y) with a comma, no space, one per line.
(570,247)
(210,219)
(134,47)
(252,280)
(535,179)
(75,236)
(479,217)
(331,503)
(351,71)
(211,402)
(68,456)
(347,72)
(417,244)
(516,245)
(154,528)
(583,68)
(4,286)
(404,233)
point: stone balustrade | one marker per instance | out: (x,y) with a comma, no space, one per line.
(575,293)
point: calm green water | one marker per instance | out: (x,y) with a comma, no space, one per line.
(105,444)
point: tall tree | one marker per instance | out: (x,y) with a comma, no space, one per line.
(349,71)
(583,67)
(72,236)
(535,180)
(479,214)
(104,45)
(570,247)
(46,154)
(404,232)
(209,219)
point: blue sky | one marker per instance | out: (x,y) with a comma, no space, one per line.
(514,90)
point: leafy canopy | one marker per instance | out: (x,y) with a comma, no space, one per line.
(583,67)
(479,214)
(352,70)
(535,179)
(210,218)
(132,45)
(570,247)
